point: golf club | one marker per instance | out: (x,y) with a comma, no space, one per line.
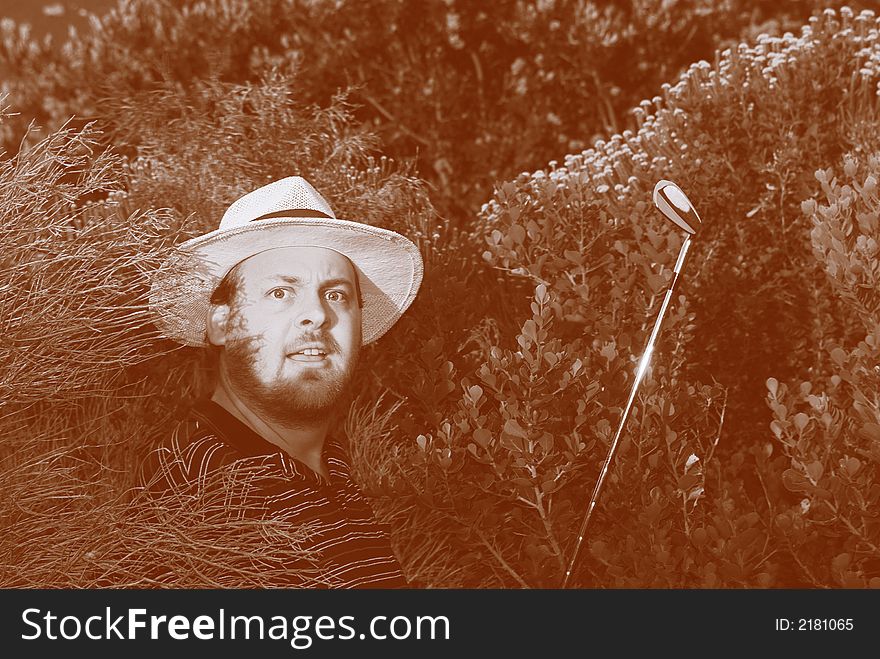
(674,205)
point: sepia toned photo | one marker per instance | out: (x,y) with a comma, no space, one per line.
(439,294)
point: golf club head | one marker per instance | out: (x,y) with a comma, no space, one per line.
(675,205)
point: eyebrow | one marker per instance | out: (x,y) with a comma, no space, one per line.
(288,279)
(354,286)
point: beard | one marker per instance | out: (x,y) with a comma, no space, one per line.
(310,398)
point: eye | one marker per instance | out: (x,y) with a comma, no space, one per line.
(279,293)
(337,296)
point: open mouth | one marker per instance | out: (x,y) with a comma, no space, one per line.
(308,355)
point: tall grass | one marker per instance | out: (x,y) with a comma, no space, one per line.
(87,384)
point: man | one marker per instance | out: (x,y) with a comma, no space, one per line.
(285,294)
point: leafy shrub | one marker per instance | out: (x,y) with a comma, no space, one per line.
(827,427)
(744,138)
(480,421)
(476,92)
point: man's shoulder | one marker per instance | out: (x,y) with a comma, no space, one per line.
(188,455)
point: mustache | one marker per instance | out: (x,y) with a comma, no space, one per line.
(288,402)
(251,344)
(323,338)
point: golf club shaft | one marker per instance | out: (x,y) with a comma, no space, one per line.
(643,366)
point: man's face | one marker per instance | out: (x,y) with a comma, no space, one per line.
(292,332)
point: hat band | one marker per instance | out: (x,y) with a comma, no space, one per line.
(294,212)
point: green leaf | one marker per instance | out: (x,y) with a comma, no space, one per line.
(687,481)
(841,561)
(794,481)
(776,427)
(815,470)
(870,431)
(517,232)
(511,427)
(575,257)
(546,442)
(609,352)
(549,486)
(656,282)
(541,293)
(482,437)
(530,330)
(783,522)
(852,466)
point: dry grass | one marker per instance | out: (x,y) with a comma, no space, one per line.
(66,525)
(87,387)
(72,276)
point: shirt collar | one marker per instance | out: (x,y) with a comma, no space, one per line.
(234,432)
(231,430)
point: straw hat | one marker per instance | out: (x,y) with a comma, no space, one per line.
(285,213)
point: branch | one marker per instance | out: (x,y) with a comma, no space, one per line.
(500,559)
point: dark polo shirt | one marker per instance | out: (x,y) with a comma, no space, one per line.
(353,550)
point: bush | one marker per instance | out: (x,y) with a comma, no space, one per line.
(745,136)
(475,92)
(479,422)
(827,427)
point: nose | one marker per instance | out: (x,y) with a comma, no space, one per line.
(313,312)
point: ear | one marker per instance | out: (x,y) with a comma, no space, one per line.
(218,317)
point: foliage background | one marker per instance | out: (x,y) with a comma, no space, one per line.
(517,143)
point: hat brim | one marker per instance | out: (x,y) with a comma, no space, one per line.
(389,269)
